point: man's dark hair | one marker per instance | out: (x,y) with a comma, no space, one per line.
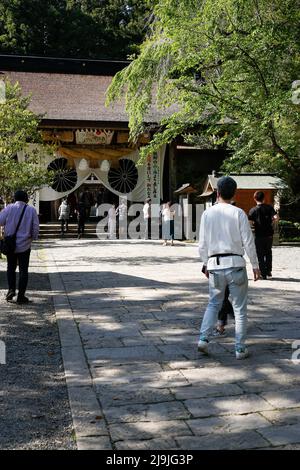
(21,195)
(259,196)
(226,187)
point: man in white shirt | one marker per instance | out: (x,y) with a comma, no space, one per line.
(147,219)
(224,236)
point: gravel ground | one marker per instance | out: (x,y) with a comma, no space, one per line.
(34,407)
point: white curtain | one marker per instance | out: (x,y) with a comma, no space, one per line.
(137,195)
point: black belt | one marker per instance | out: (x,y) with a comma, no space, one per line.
(223,255)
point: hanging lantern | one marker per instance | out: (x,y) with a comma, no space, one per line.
(105,166)
(83,165)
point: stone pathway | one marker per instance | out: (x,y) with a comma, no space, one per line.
(129,315)
(34,407)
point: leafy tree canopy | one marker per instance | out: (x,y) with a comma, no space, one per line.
(19,131)
(225,68)
(72,28)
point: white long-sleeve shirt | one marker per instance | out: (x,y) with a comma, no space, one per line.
(224,229)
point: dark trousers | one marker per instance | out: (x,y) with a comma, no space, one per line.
(23,260)
(226,308)
(264,254)
(80,227)
(147,228)
(63,222)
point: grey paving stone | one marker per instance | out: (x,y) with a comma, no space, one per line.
(134,289)
(94,342)
(182,341)
(157,380)
(137,315)
(202,361)
(234,423)
(232,441)
(226,405)
(216,375)
(148,430)
(129,352)
(74,360)
(94,443)
(141,341)
(87,424)
(283,399)
(109,329)
(146,412)
(87,415)
(283,417)
(280,435)
(209,390)
(260,386)
(152,444)
(177,315)
(100,314)
(129,371)
(123,394)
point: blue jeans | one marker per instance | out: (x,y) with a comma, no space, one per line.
(237,281)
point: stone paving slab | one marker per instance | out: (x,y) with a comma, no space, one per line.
(234,424)
(280,435)
(283,417)
(146,412)
(288,399)
(34,406)
(226,405)
(151,444)
(148,430)
(149,380)
(127,394)
(204,391)
(231,441)
(129,352)
(136,309)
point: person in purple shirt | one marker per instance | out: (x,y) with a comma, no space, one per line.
(28,231)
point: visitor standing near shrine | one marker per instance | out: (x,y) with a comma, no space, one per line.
(63,215)
(225,235)
(112,222)
(168,223)
(147,219)
(81,216)
(262,217)
(21,220)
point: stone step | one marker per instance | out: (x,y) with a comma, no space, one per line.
(53,230)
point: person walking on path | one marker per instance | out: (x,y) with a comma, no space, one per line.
(226,310)
(112,222)
(28,230)
(168,223)
(87,198)
(63,215)
(147,218)
(81,216)
(224,236)
(262,217)
(121,212)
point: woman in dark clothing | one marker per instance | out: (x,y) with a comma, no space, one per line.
(226,310)
(81,217)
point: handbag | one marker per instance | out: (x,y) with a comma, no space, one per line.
(8,244)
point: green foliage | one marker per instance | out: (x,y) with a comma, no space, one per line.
(226,68)
(289,230)
(72,28)
(19,132)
